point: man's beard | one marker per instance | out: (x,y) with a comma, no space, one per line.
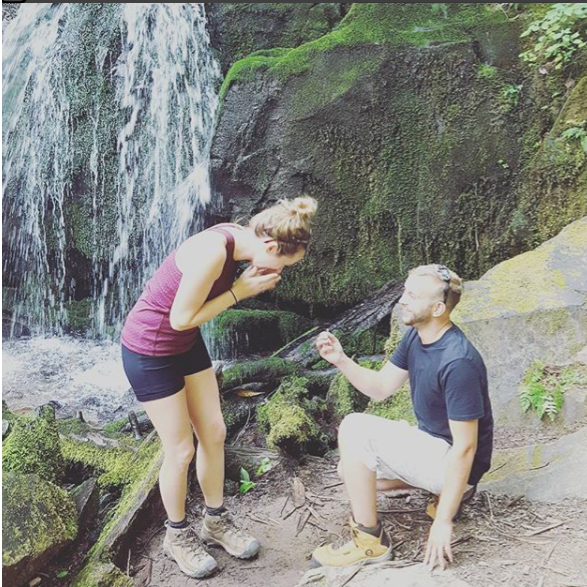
(414,319)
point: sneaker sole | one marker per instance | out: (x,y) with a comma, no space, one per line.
(192,574)
(211,542)
(314,563)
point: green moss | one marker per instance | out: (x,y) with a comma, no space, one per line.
(134,472)
(343,398)
(397,407)
(73,426)
(115,467)
(262,331)
(287,417)
(268,369)
(368,24)
(99,574)
(114,428)
(33,447)
(36,514)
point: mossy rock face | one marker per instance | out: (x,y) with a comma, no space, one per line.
(553,189)
(236,29)
(238,333)
(288,418)
(38,520)
(415,106)
(33,446)
(432,142)
(532,307)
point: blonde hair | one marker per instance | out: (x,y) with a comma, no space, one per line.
(288,223)
(451,289)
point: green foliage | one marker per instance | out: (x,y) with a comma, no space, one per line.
(543,390)
(559,34)
(264,467)
(576,133)
(245,483)
(511,94)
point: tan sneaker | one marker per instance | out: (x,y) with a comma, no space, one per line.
(221,531)
(362,548)
(183,546)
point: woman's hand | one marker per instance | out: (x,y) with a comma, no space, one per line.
(251,283)
(330,348)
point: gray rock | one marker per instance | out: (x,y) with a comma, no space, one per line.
(548,472)
(86,499)
(381,575)
(532,307)
(5,428)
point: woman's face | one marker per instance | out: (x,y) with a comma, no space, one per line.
(266,260)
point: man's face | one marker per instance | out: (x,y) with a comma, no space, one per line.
(420,298)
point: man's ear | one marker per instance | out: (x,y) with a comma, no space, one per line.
(439,309)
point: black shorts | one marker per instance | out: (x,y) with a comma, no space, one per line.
(158,377)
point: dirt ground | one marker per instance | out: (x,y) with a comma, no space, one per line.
(499,540)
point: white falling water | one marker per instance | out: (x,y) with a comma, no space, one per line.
(163,77)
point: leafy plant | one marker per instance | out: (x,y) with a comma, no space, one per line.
(245,483)
(576,133)
(62,574)
(264,467)
(558,35)
(511,94)
(542,391)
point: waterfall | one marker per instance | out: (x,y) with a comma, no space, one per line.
(108,118)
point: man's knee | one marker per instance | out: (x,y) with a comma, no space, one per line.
(352,426)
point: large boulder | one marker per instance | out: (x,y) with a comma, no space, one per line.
(529,308)
(542,472)
(38,520)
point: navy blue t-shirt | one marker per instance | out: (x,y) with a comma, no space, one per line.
(448,381)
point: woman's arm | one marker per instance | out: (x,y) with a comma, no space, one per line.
(199,272)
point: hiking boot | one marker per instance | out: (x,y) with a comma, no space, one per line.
(183,546)
(221,531)
(432,506)
(362,548)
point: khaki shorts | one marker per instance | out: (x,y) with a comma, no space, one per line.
(396,450)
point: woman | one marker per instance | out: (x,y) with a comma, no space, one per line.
(170,371)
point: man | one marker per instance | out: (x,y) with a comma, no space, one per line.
(449,451)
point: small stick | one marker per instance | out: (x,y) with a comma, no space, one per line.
(536,532)
(285,503)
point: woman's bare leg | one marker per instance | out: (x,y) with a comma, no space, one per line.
(203,399)
(170,417)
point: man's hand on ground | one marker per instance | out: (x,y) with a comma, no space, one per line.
(438,550)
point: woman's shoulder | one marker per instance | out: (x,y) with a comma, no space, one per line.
(204,248)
